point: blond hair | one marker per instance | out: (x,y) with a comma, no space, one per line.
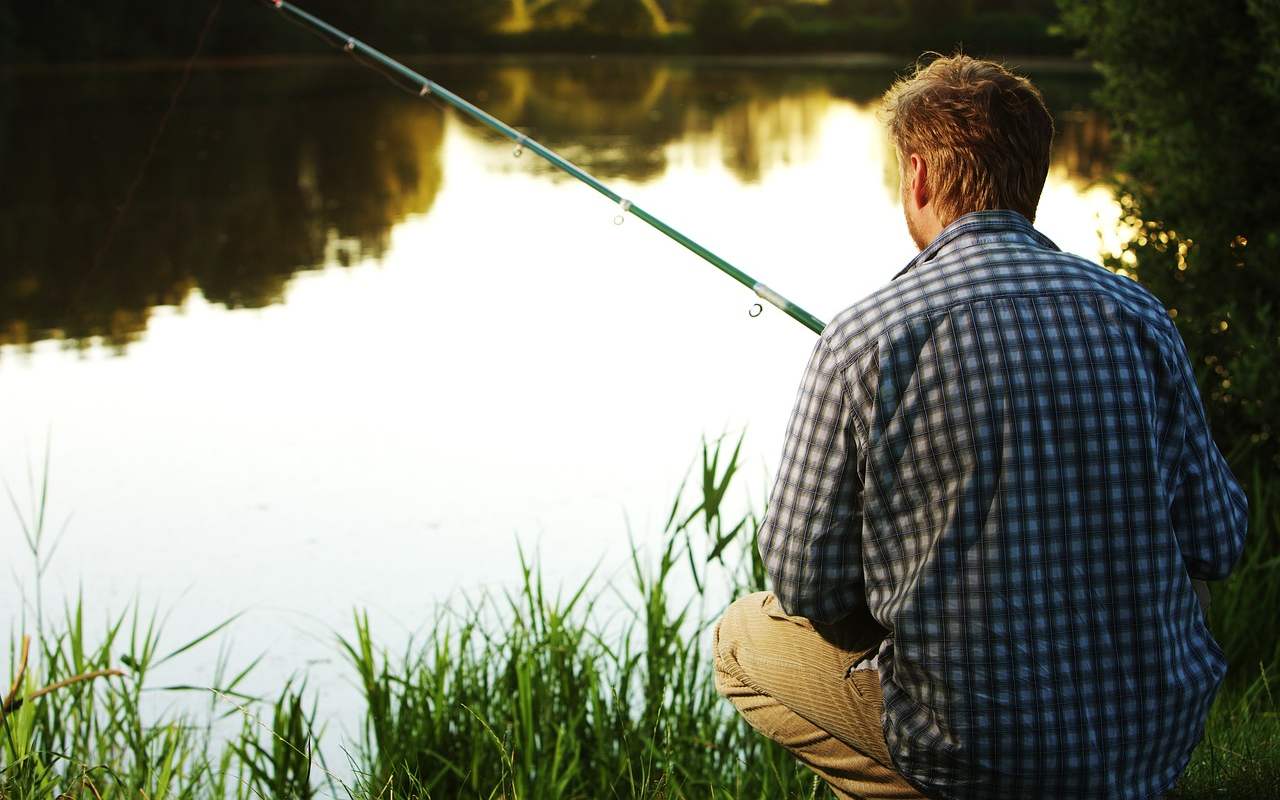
(983,132)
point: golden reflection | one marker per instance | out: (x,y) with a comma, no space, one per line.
(267,172)
(763,134)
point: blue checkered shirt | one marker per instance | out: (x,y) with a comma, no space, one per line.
(1003,457)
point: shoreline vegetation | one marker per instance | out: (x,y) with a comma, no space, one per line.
(840,60)
(530,27)
(535,693)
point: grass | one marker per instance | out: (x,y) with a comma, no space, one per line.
(593,691)
(1240,754)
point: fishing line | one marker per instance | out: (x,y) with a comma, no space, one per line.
(123,209)
(423,87)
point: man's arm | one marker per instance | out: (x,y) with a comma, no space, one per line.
(810,539)
(1209,509)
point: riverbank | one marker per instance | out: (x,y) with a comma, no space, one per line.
(535,693)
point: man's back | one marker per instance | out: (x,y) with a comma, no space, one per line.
(1002,455)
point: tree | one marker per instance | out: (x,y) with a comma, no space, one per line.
(624,17)
(852,9)
(937,12)
(679,10)
(8,34)
(770,27)
(441,24)
(718,23)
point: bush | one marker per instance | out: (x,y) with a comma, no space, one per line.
(718,23)
(770,28)
(619,17)
(852,9)
(932,12)
(8,34)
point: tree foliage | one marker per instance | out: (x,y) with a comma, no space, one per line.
(718,22)
(681,10)
(75,31)
(453,16)
(62,30)
(1194,94)
(625,17)
(938,10)
(770,27)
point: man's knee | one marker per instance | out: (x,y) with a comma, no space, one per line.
(738,617)
(732,632)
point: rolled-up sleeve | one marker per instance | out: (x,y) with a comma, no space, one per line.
(810,540)
(1209,510)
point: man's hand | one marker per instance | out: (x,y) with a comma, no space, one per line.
(1202,594)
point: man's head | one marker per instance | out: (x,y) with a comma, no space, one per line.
(970,136)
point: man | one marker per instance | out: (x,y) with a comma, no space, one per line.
(996,490)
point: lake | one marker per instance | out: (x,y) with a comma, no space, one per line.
(343,349)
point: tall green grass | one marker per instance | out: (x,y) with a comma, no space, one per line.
(597,690)
(1240,753)
(91,737)
(546,694)
(1245,613)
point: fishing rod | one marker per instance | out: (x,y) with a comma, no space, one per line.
(425,87)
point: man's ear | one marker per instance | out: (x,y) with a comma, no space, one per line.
(918,175)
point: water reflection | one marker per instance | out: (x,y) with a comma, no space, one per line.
(264,172)
(258,175)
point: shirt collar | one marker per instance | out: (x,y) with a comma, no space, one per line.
(992,221)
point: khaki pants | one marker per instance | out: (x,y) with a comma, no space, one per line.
(792,681)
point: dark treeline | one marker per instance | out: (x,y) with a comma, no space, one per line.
(58,31)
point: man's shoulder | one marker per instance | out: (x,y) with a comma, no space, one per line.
(980,272)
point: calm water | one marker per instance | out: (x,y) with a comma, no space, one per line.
(344,350)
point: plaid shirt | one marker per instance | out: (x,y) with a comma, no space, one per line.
(1003,456)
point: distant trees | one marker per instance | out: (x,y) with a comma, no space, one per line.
(770,27)
(71,30)
(67,30)
(624,17)
(441,24)
(8,33)
(551,14)
(616,17)
(717,22)
(460,16)
(845,9)
(680,10)
(937,11)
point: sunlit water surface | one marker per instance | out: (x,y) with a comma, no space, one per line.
(344,350)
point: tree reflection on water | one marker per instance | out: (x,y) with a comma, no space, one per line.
(263,172)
